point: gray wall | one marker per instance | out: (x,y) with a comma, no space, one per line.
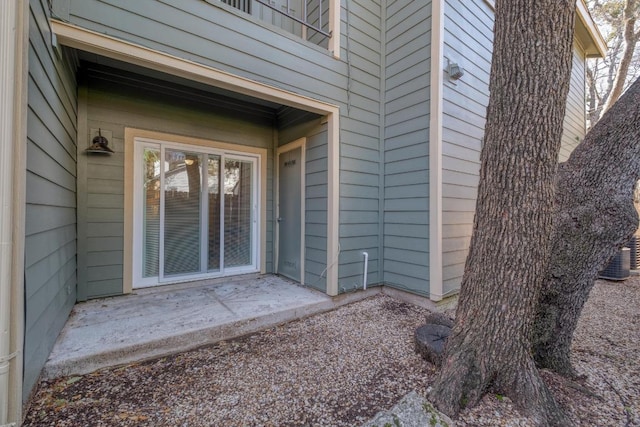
(360,145)
(468,41)
(115,100)
(50,246)
(406,145)
(294,124)
(212,35)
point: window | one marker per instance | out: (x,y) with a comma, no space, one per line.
(195,213)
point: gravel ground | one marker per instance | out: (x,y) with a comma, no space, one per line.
(340,369)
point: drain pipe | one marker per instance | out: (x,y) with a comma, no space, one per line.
(13,44)
(366,268)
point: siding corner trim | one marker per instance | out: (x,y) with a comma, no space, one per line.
(435,152)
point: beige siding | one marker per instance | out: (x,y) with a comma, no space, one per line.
(575,117)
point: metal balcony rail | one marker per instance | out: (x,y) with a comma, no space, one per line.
(246,6)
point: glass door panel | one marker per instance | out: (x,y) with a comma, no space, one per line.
(238,212)
(150,212)
(195,213)
(182,210)
(213,192)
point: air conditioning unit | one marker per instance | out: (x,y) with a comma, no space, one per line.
(618,267)
(634,258)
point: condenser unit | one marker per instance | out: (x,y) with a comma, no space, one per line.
(618,267)
(634,246)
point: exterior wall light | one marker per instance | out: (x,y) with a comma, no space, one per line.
(455,71)
(99,145)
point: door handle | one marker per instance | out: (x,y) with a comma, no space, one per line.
(280,219)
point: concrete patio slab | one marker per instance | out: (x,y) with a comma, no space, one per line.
(159,321)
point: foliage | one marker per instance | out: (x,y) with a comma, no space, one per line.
(608,77)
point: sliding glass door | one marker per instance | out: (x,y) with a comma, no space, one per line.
(195,213)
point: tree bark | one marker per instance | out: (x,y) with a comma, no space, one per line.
(490,348)
(595,216)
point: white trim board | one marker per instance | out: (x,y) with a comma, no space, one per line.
(435,152)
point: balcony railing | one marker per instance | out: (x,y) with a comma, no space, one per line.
(308,19)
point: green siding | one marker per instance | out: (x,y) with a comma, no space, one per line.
(214,35)
(117,99)
(294,124)
(50,241)
(406,145)
(468,40)
(360,145)
(316,209)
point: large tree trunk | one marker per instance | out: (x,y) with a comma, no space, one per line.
(595,216)
(490,348)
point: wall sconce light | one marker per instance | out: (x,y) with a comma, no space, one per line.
(99,145)
(188,161)
(455,71)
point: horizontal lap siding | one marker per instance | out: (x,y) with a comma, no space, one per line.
(574,119)
(50,241)
(292,125)
(360,147)
(117,100)
(216,36)
(316,210)
(468,42)
(406,151)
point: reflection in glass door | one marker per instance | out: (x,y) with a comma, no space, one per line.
(182,199)
(196,213)
(237,212)
(214,220)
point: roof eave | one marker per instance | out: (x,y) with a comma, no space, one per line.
(588,34)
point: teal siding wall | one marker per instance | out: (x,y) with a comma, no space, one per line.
(575,117)
(315,209)
(115,100)
(211,34)
(360,146)
(406,145)
(294,124)
(50,242)
(468,40)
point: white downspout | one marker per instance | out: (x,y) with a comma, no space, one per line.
(366,268)
(13,43)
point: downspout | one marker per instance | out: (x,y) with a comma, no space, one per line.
(13,74)
(366,269)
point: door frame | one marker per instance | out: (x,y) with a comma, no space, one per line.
(298,143)
(131,135)
(162,279)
